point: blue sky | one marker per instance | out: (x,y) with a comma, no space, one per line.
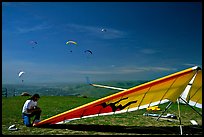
(142,41)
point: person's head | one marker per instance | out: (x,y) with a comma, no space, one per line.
(35,97)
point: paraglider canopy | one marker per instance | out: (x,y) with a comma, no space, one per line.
(20,73)
(71,42)
(88,51)
(103,30)
(33,43)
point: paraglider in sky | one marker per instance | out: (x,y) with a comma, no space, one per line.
(88,51)
(20,74)
(70,42)
(103,30)
(33,43)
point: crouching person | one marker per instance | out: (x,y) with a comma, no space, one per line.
(30,109)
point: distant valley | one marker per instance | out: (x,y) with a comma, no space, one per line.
(67,89)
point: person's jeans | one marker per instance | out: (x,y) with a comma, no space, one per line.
(26,118)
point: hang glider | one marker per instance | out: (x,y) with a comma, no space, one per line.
(159,91)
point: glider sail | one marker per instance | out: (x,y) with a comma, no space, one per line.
(159,91)
(195,93)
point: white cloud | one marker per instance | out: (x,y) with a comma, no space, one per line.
(33,28)
(190,64)
(148,51)
(111,33)
(124,70)
(15,4)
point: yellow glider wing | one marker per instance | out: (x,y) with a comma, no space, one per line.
(162,90)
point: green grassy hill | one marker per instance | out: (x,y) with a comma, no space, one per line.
(132,123)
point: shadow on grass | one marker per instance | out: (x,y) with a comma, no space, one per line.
(174,130)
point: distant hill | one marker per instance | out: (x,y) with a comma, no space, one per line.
(67,89)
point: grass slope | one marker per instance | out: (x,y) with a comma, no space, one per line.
(132,123)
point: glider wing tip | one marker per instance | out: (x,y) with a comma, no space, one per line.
(196,68)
